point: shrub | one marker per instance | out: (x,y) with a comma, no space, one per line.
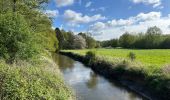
(91,56)
(132,56)
(16,39)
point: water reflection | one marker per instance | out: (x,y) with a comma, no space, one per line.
(63,62)
(90,86)
(92,82)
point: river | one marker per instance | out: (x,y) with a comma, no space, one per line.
(90,86)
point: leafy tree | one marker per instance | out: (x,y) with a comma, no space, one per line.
(127,40)
(166,43)
(60,38)
(91,43)
(16,39)
(25,30)
(110,43)
(152,38)
(68,39)
(79,42)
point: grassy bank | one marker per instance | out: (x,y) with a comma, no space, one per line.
(153,77)
(152,57)
(26,81)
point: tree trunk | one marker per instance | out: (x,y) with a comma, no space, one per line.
(14,5)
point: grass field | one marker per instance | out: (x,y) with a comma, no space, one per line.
(152,57)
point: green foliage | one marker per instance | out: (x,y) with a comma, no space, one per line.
(31,83)
(25,36)
(67,40)
(132,56)
(60,38)
(166,43)
(16,39)
(110,43)
(91,56)
(126,40)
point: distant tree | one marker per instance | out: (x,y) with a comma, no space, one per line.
(166,43)
(110,43)
(98,44)
(69,40)
(79,42)
(152,38)
(114,42)
(60,37)
(154,31)
(127,40)
(91,42)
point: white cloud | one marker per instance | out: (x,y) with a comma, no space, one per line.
(52,13)
(88,4)
(140,23)
(155,3)
(78,18)
(62,3)
(98,9)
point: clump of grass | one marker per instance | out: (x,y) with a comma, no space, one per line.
(132,56)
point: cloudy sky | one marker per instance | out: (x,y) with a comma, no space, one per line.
(107,19)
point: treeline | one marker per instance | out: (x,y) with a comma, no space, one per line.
(67,40)
(152,39)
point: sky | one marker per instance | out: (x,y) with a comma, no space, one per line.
(108,19)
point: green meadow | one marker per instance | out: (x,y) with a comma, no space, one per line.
(150,57)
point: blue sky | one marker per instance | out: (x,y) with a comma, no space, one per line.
(107,19)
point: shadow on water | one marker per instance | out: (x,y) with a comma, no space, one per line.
(90,86)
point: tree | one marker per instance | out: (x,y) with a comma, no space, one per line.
(16,39)
(25,33)
(127,40)
(69,40)
(60,37)
(110,43)
(152,38)
(79,42)
(91,42)
(166,43)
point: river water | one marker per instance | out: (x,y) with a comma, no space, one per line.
(90,86)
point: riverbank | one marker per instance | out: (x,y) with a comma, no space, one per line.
(39,79)
(134,77)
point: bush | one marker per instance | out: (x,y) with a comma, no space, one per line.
(31,83)
(90,56)
(16,39)
(132,56)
